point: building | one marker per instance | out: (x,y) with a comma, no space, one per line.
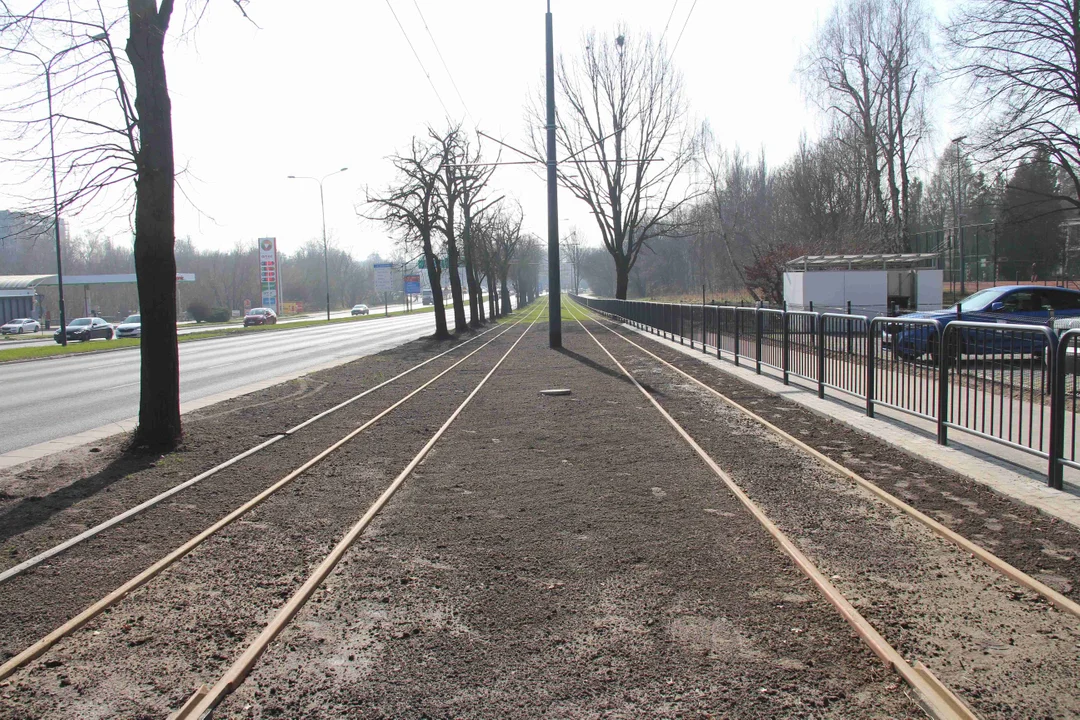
(867,284)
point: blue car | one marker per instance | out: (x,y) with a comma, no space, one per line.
(1016,304)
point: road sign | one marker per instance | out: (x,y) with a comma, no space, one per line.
(268,272)
(412,284)
(384,277)
(444,262)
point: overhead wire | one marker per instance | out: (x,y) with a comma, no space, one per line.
(417,56)
(670,15)
(685,23)
(443,60)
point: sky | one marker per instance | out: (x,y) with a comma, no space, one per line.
(308,91)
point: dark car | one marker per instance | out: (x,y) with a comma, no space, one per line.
(1016,304)
(86,328)
(360,309)
(260,316)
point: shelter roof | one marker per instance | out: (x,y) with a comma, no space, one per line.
(863,262)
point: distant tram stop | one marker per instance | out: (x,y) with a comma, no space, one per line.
(870,285)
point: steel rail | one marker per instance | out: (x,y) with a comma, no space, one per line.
(1018,576)
(203,702)
(44,644)
(933,696)
(165,495)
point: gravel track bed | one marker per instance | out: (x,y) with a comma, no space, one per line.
(1003,649)
(566,557)
(148,653)
(1042,546)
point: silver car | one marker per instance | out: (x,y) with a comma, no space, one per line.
(130,328)
(18,326)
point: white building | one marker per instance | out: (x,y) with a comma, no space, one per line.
(872,284)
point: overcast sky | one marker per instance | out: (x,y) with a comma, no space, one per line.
(309,91)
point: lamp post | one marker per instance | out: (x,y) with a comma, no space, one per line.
(326,252)
(959,213)
(47,67)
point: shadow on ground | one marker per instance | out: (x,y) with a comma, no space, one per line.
(33,511)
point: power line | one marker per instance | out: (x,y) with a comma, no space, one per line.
(670,15)
(442,59)
(685,23)
(417,56)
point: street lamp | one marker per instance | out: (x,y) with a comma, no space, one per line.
(47,66)
(959,211)
(322,204)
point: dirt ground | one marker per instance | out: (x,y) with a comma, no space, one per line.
(552,557)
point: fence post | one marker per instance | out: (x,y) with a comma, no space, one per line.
(1056,357)
(716,312)
(943,388)
(850,332)
(871,374)
(785,344)
(682,322)
(737,340)
(691,309)
(704,322)
(757,337)
(820,355)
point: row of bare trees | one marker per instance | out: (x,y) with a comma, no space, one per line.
(440,205)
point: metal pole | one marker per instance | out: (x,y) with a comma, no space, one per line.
(554,312)
(56,211)
(325,251)
(959,213)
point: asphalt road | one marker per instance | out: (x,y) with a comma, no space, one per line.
(55,397)
(187,327)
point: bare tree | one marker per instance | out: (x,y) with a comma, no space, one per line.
(622,126)
(1020,58)
(869,64)
(410,207)
(452,176)
(574,251)
(474,178)
(137,148)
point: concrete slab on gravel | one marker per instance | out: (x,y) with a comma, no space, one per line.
(965,457)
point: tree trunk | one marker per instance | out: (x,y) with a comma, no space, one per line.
(431,263)
(506,309)
(155,261)
(622,279)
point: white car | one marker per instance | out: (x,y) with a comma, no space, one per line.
(130,328)
(20,326)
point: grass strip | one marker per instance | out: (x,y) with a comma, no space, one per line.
(42,351)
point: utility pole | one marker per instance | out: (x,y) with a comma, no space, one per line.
(554,300)
(959,214)
(326,247)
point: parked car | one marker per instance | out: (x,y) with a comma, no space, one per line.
(1016,304)
(260,316)
(360,310)
(86,328)
(18,326)
(130,328)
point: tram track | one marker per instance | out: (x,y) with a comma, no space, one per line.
(936,701)
(202,703)
(100,527)
(109,601)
